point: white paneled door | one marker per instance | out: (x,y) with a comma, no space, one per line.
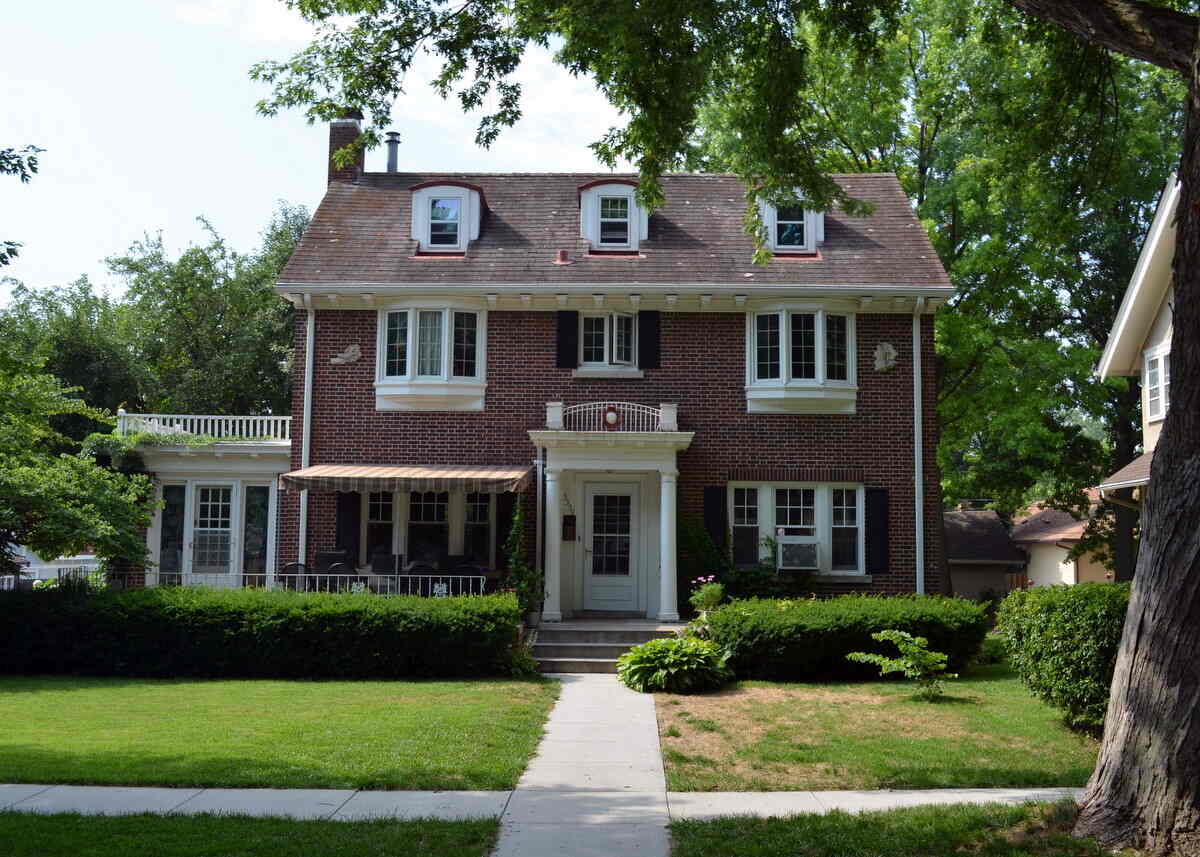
(610,546)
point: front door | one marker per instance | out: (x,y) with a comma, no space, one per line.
(610,547)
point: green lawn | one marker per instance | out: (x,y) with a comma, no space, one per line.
(281,734)
(934,831)
(70,835)
(761,736)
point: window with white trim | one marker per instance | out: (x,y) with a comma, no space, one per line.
(607,340)
(610,217)
(792,229)
(614,221)
(793,355)
(431,358)
(1158,384)
(380,524)
(816,528)
(445,217)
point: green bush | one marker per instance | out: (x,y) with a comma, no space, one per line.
(993,651)
(926,667)
(674,665)
(1063,641)
(809,639)
(249,633)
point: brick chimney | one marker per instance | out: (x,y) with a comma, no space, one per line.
(341,132)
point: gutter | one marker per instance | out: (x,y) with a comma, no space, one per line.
(918,451)
(306,436)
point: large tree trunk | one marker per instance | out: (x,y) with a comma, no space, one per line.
(1145,791)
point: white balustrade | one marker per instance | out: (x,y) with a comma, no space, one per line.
(207,425)
(612,416)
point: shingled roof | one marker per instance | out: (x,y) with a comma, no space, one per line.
(978,536)
(360,235)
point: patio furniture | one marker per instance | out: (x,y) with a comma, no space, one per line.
(325,559)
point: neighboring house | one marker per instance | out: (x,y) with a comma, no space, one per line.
(465,342)
(1139,345)
(1047,536)
(982,558)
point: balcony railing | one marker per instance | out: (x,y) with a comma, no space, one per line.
(219,427)
(612,416)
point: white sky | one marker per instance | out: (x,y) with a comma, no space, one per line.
(146,114)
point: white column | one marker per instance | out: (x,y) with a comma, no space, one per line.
(552,608)
(668,610)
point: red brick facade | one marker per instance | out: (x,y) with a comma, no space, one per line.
(702,369)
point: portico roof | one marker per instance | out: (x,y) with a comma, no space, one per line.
(482,479)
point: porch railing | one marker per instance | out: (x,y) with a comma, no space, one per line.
(217,426)
(612,416)
(424,585)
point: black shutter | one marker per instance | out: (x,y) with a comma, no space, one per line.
(648,339)
(349,518)
(716,514)
(568,339)
(878,561)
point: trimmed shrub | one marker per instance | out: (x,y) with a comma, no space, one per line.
(810,639)
(674,665)
(249,633)
(1063,641)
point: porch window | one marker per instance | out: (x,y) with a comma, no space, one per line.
(607,340)
(814,527)
(477,532)
(380,526)
(800,360)
(428,526)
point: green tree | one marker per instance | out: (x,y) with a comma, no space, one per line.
(208,328)
(22,163)
(54,502)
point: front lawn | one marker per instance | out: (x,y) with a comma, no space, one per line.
(428,735)
(929,831)
(71,835)
(760,736)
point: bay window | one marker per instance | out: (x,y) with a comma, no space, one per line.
(800,360)
(815,528)
(431,358)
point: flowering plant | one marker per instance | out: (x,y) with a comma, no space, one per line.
(707,594)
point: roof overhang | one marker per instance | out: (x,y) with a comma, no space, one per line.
(1147,288)
(674,441)
(482,479)
(1133,475)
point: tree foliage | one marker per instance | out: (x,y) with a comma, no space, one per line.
(22,163)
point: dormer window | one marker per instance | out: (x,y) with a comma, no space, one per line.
(610,217)
(445,217)
(793,229)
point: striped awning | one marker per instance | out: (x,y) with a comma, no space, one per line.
(480,479)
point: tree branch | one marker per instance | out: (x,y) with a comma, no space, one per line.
(1134,28)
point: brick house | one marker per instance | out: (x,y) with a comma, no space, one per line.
(467,341)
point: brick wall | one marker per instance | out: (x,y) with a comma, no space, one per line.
(703,360)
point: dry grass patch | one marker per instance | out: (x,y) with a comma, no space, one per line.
(988,732)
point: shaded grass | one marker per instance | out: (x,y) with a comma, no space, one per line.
(762,736)
(72,835)
(993,830)
(283,734)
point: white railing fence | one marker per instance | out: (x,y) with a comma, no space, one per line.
(612,416)
(248,427)
(424,585)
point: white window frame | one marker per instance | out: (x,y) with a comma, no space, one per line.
(460,244)
(469,215)
(818,394)
(814,230)
(823,520)
(630,207)
(430,392)
(1160,355)
(589,216)
(609,367)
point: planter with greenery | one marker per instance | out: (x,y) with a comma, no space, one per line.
(528,584)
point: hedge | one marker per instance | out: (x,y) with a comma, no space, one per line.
(247,633)
(803,640)
(1063,641)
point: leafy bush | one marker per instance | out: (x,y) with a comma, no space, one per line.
(916,661)
(1063,641)
(707,594)
(809,639)
(993,650)
(674,665)
(255,634)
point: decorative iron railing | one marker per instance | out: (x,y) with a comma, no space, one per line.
(241,427)
(612,416)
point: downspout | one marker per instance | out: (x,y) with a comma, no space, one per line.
(305,439)
(918,450)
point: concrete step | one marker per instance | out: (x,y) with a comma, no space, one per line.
(577,665)
(625,636)
(609,651)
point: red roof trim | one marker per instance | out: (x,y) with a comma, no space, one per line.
(802,257)
(452,183)
(599,182)
(422,256)
(613,254)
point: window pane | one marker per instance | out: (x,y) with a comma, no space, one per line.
(845,529)
(745,546)
(614,206)
(1166,379)
(443,233)
(804,345)
(623,335)
(396,358)
(464,344)
(594,336)
(766,344)
(789,226)
(254,533)
(614,232)
(614,220)
(1153,393)
(836,348)
(429,343)
(428,532)
(444,210)
(795,507)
